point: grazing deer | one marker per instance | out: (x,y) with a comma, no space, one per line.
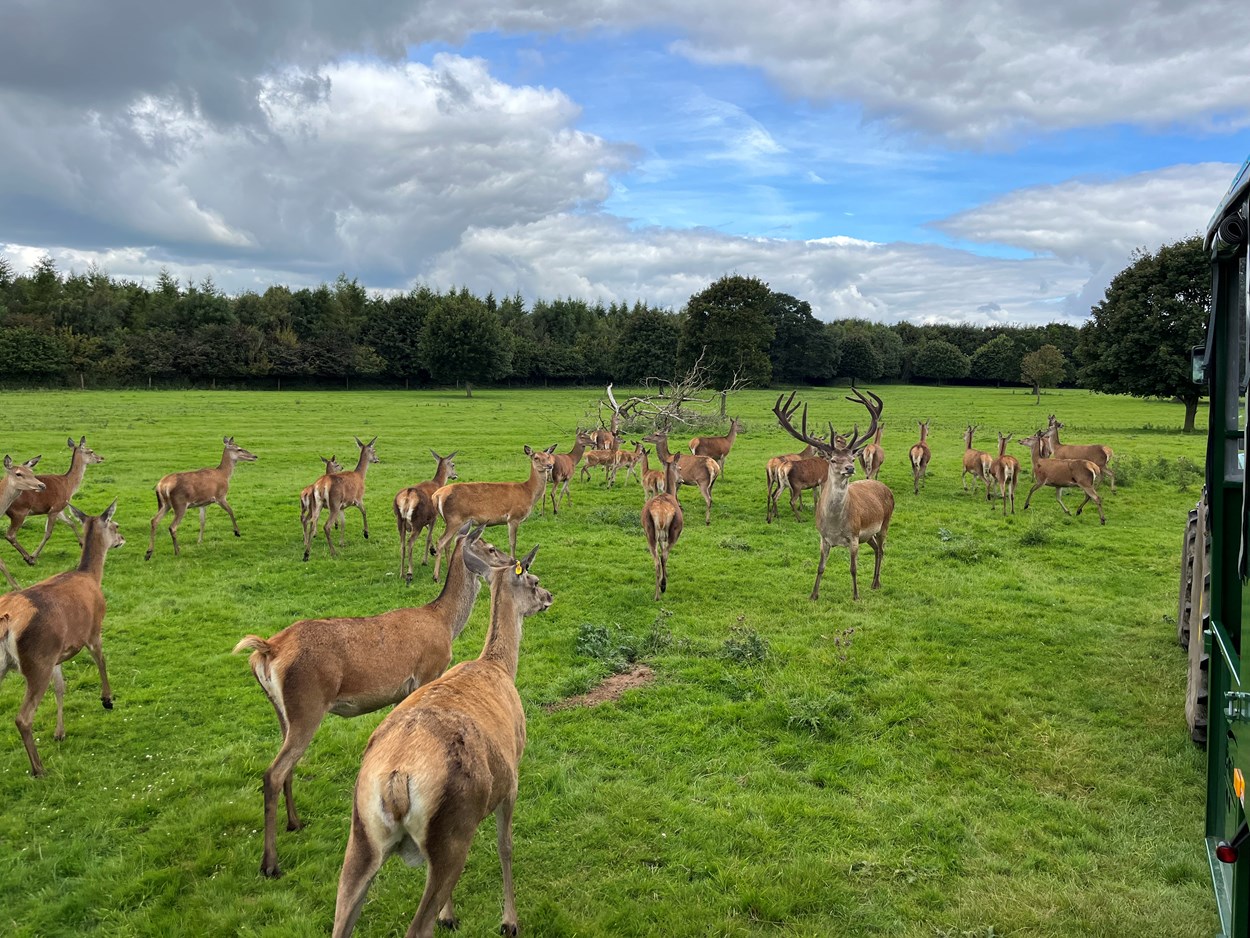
(492,503)
(45,625)
(338,491)
(198,488)
(717,447)
(873,457)
(351,666)
(1096,453)
(701,471)
(442,761)
(662,522)
(52,499)
(652,480)
(414,511)
(919,456)
(562,469)
(846,512)
(976,462)
(308,495)
(18,478)
(1006,472)
(1060,474)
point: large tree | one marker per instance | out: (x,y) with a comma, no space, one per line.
(939,359)
(463,341)
(728,325)
(1043,369)
(1139,339)
(998,360)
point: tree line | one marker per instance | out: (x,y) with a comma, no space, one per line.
(58,328)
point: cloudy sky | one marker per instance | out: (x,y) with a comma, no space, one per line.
(936,160)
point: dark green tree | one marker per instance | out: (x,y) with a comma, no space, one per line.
(998,360)
(1141,333)
(463,342)
(728,324)
(646,347)
(860,360)
(1044,368)
(941,360)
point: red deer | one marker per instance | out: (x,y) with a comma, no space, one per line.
(1005,471)
(45,625)
(336,493)
(308,495)
(1096,453)
(562,469)
(626,459)
(414,511)
(846,511)
(1060,474)
(717,447)
(17,478)
(873,457)
(772,474)
(492,503)
(442,762)
(976,462)
(52,500)
(662,522)
(652,479)
(919,456)
(700,471)
(198,488)
(351,666)
(799,475)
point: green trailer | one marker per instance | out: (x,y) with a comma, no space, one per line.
(1217,562)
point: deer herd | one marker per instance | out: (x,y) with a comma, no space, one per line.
(447,755)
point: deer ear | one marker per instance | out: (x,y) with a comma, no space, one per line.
(475,564)
(451,454)
(8,462)
(81,516)
(358,443)
(529,450)
(33,461)
(551,448)
(70,442)
(436,456)
(109,512)
(374,440)
(528,558)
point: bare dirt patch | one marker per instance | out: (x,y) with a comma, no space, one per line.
(610,689)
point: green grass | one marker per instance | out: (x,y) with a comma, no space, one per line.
(992,744)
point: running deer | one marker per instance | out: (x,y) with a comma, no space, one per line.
(873,457)
(562,469)
(52,499)
(414,511)
(1061,474)
(1006,473)
(1096,453)
(338,491)
(919,456)
(492,503)
(45,625)
(976,462)
(662,522)
(308,495)
(442,762)
(700,471)
(846,512)
(198,488)
(352,666)
(717,447)
(17,478)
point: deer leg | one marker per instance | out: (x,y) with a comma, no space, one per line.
(513,527)
(301,726)
(1028,498)
(8,576)
(442,546)
(58,689)
(565,494)
(706,489)
(160,513)
(364,519)
(1059,498)
(173,527)
(429,537)
(503,837)
(445,851)
(795,501)
(326,530)
(361,863)
(877,543)
(47,535)
(73,525)
(230,511)
(820,570)
(96,648)
(1106,470)
(15,524)
(854,547)
(311,530)
(36,686)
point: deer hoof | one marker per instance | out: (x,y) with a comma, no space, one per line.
(270,871)
(506,929)
(451,924)
(147,556)
(295,825)
(108,702)
(238,534)
(30,561)
(305,556)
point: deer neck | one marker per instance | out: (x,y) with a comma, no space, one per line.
(732,434)
(536,484)
(226,466)
(576,452)
(645,467)
(362,464)
(93,554)
(77,469)
(1035,454)
(1002,448)
(503,640)
(661,448)
(440,474)
(834,494)
(455,602)
(8,492)
(670,478)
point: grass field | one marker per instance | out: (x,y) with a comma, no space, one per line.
(991,745)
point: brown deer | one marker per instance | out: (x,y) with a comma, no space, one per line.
(662,522)
(976,462)
(52,499)
(414,511)
(308,495)
(1005,471)
(562,469)
(717,447)
(338,491)
(492,503)
(700,471)
(17,478)
(652,480)
(919,457)
(352,666)
(1060,474)
(626,459)
(846,512)
(873,457)
(198,488)
(1096,453)
(772,474)
(799,475)
(45,625)
(444,760)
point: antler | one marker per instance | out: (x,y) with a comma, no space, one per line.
(786,411)
(874,406)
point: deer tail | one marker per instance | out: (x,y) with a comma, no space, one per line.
(254,643)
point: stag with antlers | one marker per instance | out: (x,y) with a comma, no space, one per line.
(846,512)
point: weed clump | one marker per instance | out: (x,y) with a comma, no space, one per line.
(964,549)
(625,518)
(818,716)
(609,644)
(1180,471)
(745,646)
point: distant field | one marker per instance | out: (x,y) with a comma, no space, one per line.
(991,745)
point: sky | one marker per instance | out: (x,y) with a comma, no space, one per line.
(995,161)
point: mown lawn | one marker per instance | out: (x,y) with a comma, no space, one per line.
(992,744)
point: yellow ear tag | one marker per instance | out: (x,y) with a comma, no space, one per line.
(519,570)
